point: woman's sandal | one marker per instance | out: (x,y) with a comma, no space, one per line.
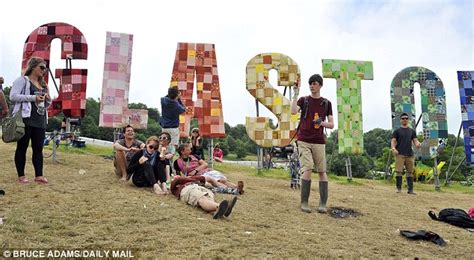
(23,180)
(41,180)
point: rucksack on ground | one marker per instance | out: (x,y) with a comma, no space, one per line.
(456,217)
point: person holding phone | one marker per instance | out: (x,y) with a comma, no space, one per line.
(311,139)
(30,95)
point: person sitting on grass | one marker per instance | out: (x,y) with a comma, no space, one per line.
(196,142)
(218,154)
(166,155)
(191,165)
(191,191)
(216,188)
(147,170)
(124,150)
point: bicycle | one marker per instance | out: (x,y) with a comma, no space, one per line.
(55,137)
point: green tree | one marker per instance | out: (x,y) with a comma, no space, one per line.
(232,143)
(376,140)
(360,165)
(241,149)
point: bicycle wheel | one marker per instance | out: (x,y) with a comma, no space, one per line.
(47,153)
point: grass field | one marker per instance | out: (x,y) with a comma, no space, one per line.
(86,207)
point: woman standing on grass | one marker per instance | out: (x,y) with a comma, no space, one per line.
(147,169)
(30,94)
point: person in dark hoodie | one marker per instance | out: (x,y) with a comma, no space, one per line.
(146,169)
(171,108)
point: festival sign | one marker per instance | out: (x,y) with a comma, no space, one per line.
(348,75)
(198,61)
(433,106)
(114,111)
(466,93)
(73,82)
(258,128)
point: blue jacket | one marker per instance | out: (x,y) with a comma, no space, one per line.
(170,110)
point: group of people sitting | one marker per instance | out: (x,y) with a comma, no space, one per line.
(189,178)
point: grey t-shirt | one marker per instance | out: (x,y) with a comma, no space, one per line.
(128,155)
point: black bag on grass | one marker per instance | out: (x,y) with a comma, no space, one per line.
(456,217)
(423,235)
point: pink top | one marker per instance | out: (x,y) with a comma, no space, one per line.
(189,164)
(218,153)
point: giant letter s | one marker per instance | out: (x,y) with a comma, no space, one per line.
(258,128)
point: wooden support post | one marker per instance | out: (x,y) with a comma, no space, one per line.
(211,154)
(452,156)
(348,169)
(55,138)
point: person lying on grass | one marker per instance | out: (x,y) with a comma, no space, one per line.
(191,165)
(191,190)
(147,170)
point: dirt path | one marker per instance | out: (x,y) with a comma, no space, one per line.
(91,209)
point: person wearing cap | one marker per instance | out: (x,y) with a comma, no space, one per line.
(311,139)
(401,142)
(125,148)
(3,101)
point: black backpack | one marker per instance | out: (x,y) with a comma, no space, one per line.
(456,217)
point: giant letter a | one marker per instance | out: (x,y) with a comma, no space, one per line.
(199,60)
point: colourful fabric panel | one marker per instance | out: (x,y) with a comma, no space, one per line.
(433,107)
(258,128)
(114,111)
(348,75)
(197,61)
(74,81)
(466,93)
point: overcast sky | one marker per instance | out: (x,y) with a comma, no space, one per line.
(438,35)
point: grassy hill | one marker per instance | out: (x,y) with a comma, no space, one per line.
(86,207)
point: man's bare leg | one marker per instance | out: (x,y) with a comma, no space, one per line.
(207,204)
(121,165)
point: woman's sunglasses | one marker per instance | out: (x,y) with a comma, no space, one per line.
(152,147)
(404,118)
(163,137)
(42,67)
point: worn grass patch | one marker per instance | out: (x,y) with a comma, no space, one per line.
(92,209)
